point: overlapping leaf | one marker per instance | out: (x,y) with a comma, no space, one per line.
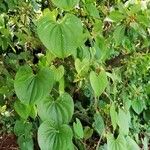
(31,88)
(118,143)
(98,82)
(60,37)
(59,110)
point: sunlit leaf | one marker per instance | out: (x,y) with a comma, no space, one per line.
(61,37)
(59,110)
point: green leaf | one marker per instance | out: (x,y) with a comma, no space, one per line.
(3,109)
(148,89)
(145,143)
(25,143)
(116,16)
(99,123)
(137,106)
(31,88)
(143,20)
(65,4)
(87,132)
(97,28)
(123,121)
(61,37)
(22,128)
(132,144)
(58,72)
(22,110)
(82,67)
(98,82)
(59,110)
(116,144)
(92,10)
(114,116)
(139,29)
(53,137)
(61,86)
(101,48)
(4,90)
(87,1)
(146,115)
(33,113)
(118,34)
(78,129)
(127,104)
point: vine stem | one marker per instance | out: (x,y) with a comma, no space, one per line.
(98,144)
(96,103)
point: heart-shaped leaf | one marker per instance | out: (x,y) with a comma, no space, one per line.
(60,37)
(78,129)
(65,4)
(59,110)
(82,67)
(87,132)
(138,106)
(31,88)
(53,137)
(98,82)
(58,72)
(118,143)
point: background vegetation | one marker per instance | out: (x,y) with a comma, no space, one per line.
(75,74)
